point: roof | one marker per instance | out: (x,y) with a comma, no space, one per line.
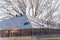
(21,22)
(15,23)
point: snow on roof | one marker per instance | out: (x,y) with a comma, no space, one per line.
(15,22)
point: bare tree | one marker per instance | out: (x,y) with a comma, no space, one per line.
(20,7)
(50,13)
(36,8)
